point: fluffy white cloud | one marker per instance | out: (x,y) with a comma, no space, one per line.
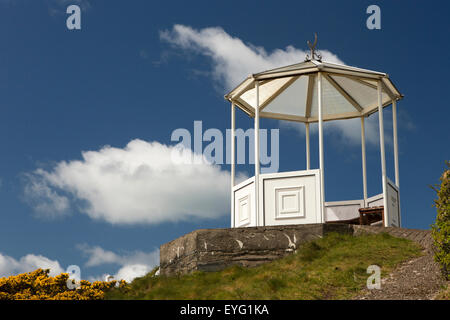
(43,199)
(137,184)
(232,59)
(98,256)
(132,264)
(130,272)
(30,262)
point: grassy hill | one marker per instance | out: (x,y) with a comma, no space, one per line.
(333,267)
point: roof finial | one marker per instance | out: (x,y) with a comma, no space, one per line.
(312,47)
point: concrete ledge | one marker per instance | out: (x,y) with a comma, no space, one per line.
(216,249)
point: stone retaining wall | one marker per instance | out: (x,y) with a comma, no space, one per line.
(216,249)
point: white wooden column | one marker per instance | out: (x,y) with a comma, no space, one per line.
(397,173)
(308,163)
(321,162)
(394,123)
(363,156)
(233,159)
(382,151)
(257,155)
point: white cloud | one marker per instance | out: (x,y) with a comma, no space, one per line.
(99,256)
(45,201)
(137,184)
(130,272)
(232,59)
(132,264)
(30,262)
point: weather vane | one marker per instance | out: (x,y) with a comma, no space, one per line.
(312,47)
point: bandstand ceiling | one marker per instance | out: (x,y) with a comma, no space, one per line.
(291,92)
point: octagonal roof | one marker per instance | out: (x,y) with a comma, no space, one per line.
(290,92)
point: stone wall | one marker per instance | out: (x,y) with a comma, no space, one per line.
(216,249)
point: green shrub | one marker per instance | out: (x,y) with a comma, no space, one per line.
(38,285)
(441,228)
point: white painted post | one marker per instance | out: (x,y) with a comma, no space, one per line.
(382,151)
(233,157)
(363,156)
(397,172)
(257,155)
(307,146)
(321,163)
(394,123)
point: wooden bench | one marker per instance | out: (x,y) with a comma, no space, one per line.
(349,221)
(368,216)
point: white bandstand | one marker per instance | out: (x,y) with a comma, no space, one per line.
(313,91)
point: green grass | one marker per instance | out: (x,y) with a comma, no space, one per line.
(333,267)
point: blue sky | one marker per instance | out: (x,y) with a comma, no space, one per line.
(120,86)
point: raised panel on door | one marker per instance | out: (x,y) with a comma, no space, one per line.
(244,206)
(291,200)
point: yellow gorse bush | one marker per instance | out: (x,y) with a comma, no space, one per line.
(38,285)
